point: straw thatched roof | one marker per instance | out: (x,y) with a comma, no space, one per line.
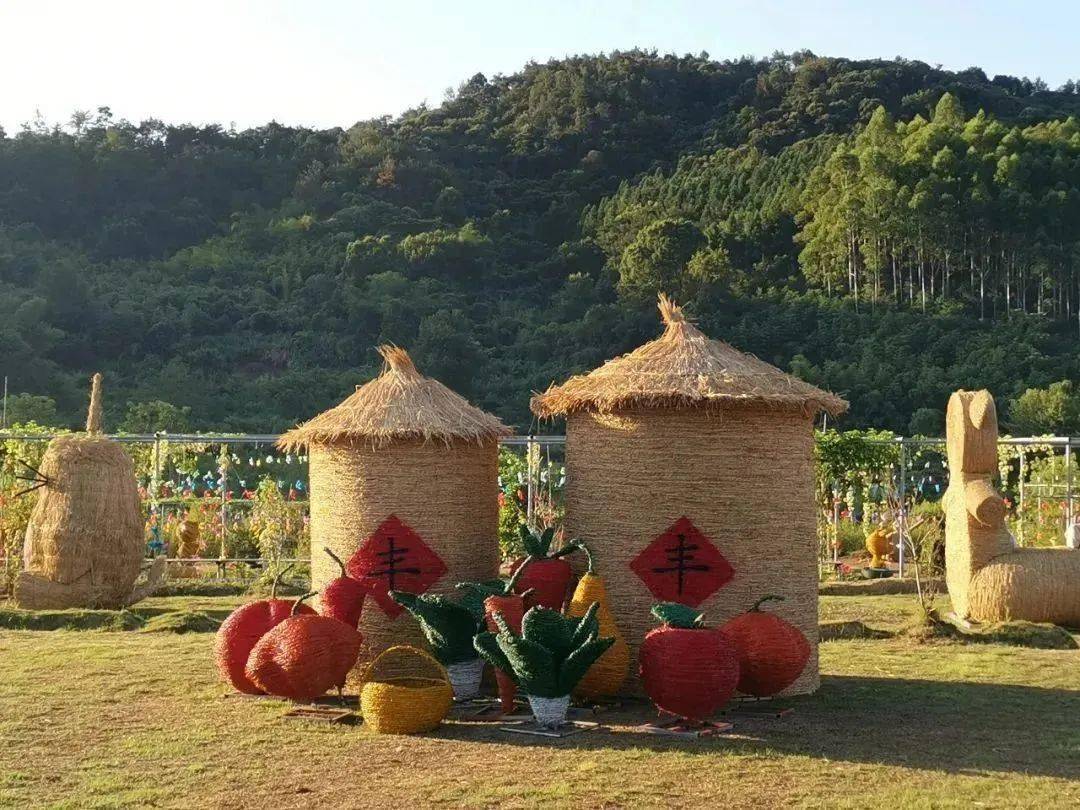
(683,368)
(399,404)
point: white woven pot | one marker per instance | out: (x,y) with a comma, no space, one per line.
(549,712)
(465,678)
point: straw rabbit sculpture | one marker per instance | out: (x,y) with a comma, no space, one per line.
(989,579)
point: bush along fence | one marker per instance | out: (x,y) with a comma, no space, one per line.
(237,505)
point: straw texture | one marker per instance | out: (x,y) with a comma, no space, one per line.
(683,367)
(405,691)
(607,675)
(446,495)
(84,541)
(689,673)
(399,404)
(772,653)
(988,578)
(743,477)
(406,446)
(302,657)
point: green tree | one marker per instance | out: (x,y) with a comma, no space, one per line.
(656,260)
(1054,409)
(155,415)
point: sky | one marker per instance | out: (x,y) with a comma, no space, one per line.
(327,63)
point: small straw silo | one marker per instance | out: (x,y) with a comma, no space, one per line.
(404,487)
(84,542)
(690,476)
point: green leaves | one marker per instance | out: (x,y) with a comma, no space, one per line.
(676,615)
(578,662)
(449,627)
(551,655)
(487,645)
(537,544)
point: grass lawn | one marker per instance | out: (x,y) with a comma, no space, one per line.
(117,719)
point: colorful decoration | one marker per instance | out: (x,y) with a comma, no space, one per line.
(241,631)
(548,575)
(548,658)
(303,656)
(405,691)
(687,669)
(682,565)
(343,597)
(394,558)
(605,676)
(772,652)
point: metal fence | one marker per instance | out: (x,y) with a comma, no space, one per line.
(907,481)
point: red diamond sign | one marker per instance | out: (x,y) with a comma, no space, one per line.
(682,565)
(395,558)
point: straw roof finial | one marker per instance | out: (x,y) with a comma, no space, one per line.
(683,368)
(397,359)
(670,311)
(93,416)
(399,404)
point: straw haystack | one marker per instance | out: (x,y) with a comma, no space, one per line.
(404,484)
(84,542)
(689,475)
(989,579)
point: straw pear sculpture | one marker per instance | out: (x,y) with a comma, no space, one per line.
(84,541)
(989,579)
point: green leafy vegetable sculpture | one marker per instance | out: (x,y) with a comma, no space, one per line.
(449,628)
(549,657)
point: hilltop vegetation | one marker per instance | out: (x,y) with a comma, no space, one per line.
(883,228)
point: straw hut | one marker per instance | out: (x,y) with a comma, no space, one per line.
(404,484)
(689,475)
(84,542)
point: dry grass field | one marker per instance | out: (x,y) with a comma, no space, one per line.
(138,719)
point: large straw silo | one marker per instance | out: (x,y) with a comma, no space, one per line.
(690,476)
(404,487)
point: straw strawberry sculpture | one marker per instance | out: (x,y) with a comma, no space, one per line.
(548,575)
(687,669)
(343,597)
(241,631)
(772,652)
(304,656)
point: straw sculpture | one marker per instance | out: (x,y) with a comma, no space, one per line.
(404,483)
(989,579)
(84,541)
(405,691)
(690,477)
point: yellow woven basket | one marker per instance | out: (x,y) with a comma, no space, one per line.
(405,691)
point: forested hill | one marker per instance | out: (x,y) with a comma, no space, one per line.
(886,229)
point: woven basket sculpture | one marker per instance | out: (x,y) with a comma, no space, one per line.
(405,691)
(404,486)
(84,541)
(690,477)
(989,579)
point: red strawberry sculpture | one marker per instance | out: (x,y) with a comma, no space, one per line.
(343,597)
(772,652)
(241,631)
(548,575)
(688,670)
(304,656)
